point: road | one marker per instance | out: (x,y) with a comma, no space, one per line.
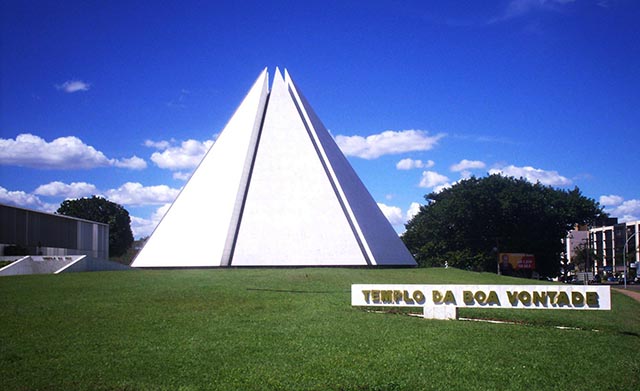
(631,291)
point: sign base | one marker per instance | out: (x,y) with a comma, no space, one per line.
(445,312)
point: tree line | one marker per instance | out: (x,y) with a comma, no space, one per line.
(468,224)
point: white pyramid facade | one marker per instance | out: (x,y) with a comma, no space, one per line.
(199,228)
(274,190)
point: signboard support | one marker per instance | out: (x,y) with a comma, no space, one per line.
(445,312)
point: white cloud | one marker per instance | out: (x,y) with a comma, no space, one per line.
(551,178)
(413,210)
(130,193)
(387,143)
(408,164)
(395,215)
(432,179)
(160,145)
(144,227)
(136,194)
(185,156)
(628,211)
(73,190)
(392,213)
(182,176)
(465,174)
(518,8)
(611,200)
(71,86)
(616,206)
(447,185)
(466,165)
(25,200)
(133,163)
(28,150)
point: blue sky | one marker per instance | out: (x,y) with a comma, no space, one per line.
(122,98)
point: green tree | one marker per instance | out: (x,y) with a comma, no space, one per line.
(468,224)
(103,211)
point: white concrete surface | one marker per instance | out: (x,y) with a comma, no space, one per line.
(447,312)
(199,228)
(292,215)
(378,238)
(44,264)
(274,190)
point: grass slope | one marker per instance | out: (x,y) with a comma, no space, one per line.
(293,329)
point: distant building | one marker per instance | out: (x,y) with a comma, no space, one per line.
(575,239)
(608,242)
(29,232)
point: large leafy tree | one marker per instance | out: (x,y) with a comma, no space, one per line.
(103,211)
(468,224)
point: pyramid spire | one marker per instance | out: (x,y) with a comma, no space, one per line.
(274,190)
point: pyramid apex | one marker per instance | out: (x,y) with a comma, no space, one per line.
(277,74)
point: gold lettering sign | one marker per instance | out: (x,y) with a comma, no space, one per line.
(514,296)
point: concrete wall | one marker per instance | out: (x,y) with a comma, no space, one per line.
(59,264)
(38,265)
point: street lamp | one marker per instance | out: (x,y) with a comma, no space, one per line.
(624,254)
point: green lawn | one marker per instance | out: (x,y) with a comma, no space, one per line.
(294,329)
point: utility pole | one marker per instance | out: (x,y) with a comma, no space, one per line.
(624,253)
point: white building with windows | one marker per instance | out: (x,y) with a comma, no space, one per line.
(613,246)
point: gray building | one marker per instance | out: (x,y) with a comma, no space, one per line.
(38,233)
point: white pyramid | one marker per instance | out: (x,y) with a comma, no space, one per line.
(274,190)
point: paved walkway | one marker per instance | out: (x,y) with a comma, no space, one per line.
(634,294)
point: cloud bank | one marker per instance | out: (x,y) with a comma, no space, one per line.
(387,143)
(28,150)
(25,200)
(465,165)
(409,164)
(129,194)
(624,210)
(534,175)
(68,191)
(431,179)
(184,156)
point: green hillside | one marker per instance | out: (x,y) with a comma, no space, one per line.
(294,329)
